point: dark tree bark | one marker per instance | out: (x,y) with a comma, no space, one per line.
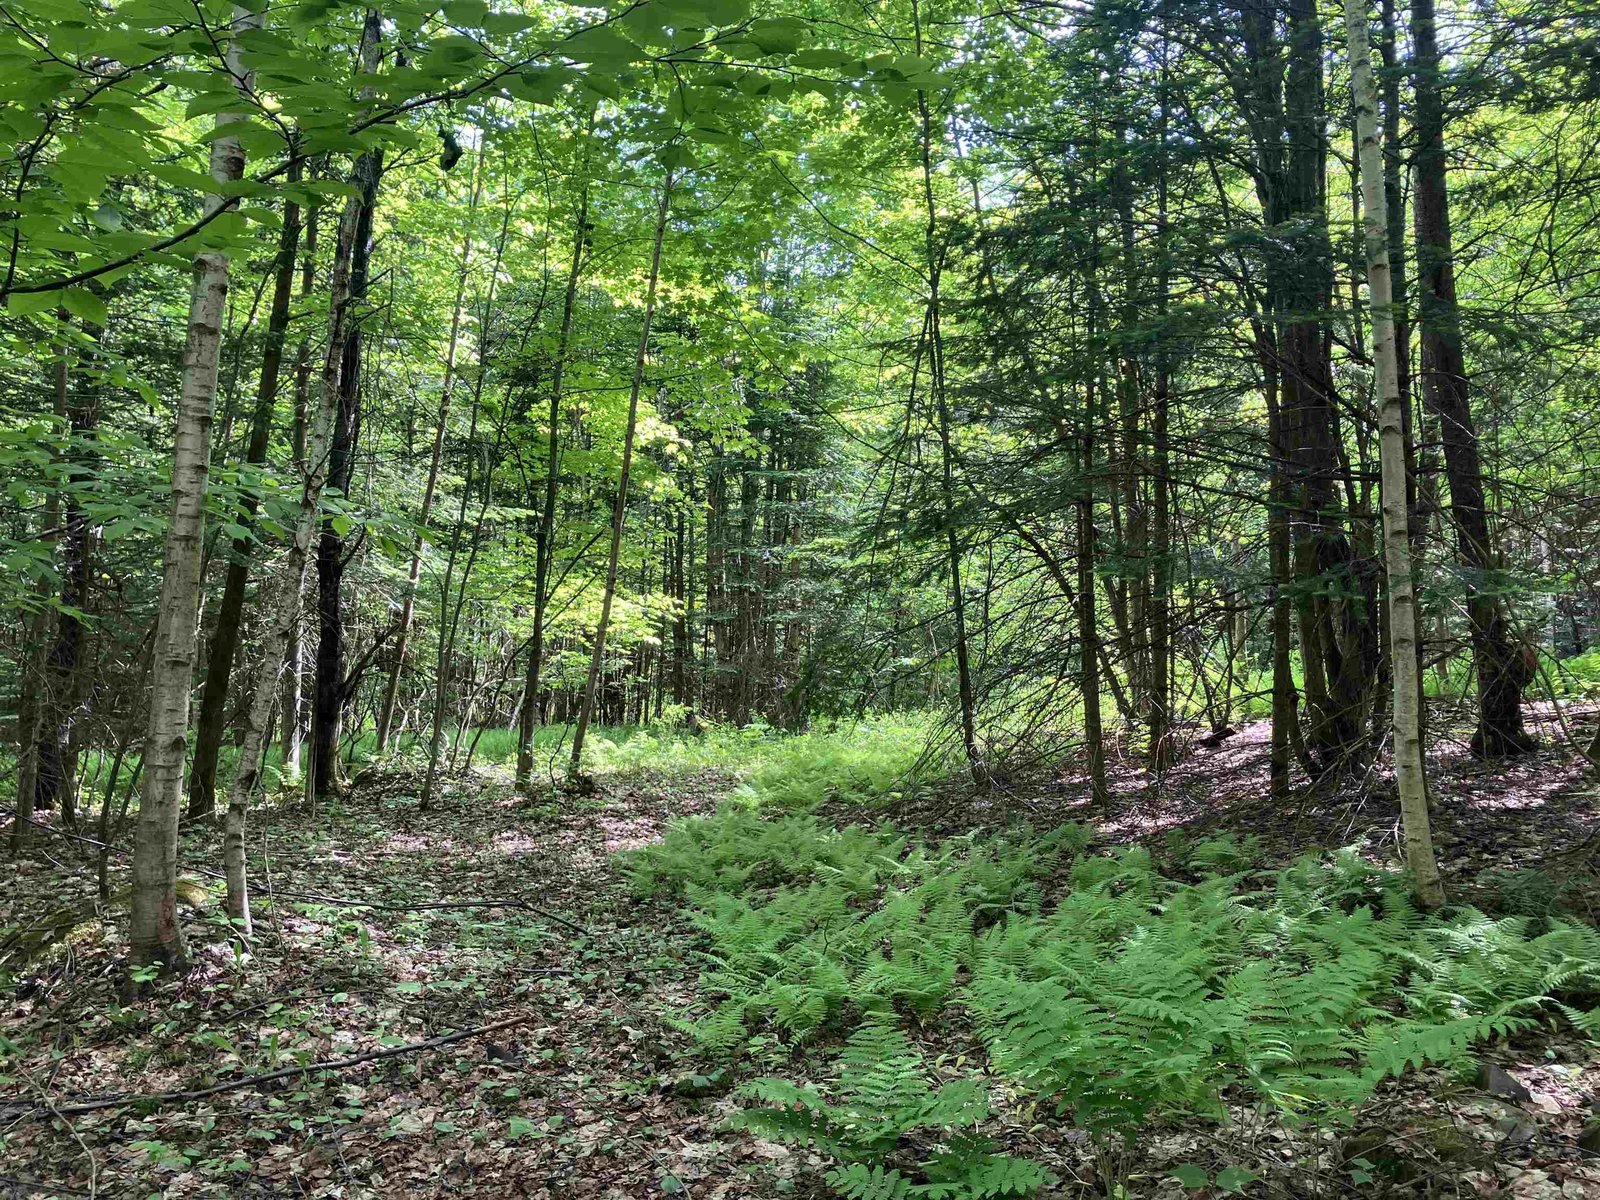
(212,721)
(935,251)
(1161,746)
(67,666)
(1282,96)
(544,545)
(35,663)
(328,698)
(291,707)
(1503,668)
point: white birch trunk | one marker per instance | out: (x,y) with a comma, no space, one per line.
(1402,594)
(154,934)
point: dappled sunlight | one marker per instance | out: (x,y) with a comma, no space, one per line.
(924,600)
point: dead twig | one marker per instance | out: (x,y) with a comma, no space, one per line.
(233,1085)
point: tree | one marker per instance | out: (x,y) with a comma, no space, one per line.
(1400,583)
(1502,665)
(154,934)
(441,421)
(225,639)
(619,508)
(544,546)
(282,610)
(329,694)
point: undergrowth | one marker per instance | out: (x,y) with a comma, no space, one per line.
(863,761)
(1119,996)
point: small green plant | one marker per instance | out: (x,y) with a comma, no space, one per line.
(879,1105)
(1224,854)
(1529,891)
(883,922)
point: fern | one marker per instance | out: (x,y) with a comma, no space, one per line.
(857,1181)
(1128,998)
(879,1096)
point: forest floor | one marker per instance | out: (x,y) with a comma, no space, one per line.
(405,925)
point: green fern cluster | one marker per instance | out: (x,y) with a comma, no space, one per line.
(1224,854)
(883,925)
(881,1109)
(1107,989)
(1138,998)
(863,762)
(740,850)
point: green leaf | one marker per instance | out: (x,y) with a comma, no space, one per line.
(677,156)
(820,58)
(1235,1179)
(85,305)
(600,45)
(26,304)
(1191,1176)
(602,85)
(778,35)
(507,24)
(466,12)
(540,85)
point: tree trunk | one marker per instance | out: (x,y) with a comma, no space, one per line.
(1336,637)
(545,542)
(450,615)
(230,614)
(1088,635)
(67,677)
(328,700)
(283,608)
(965,694)
(36,659)
(1502,667)
(1285,697)
(1407,705)
(1161,746)
(154,933)
(291,709)
(58,656)
(619,507)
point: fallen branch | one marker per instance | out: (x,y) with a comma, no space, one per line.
(49,1189)
(339,1064)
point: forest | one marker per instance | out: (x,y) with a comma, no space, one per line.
(878,599)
